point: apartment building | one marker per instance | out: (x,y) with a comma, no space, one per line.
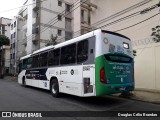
(4,50)
(5,26)
(17,48)
(4,60)
(40,22)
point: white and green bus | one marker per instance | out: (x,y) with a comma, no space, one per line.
(94,64)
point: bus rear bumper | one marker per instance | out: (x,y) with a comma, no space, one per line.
(115,88)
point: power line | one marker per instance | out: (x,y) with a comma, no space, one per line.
(114,22)
(44,29)
(122,12)
(21,6)
(137,23)
(110,17)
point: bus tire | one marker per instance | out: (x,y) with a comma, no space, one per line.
(24,81)
(54,88)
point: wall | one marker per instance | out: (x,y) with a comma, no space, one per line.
(147,66)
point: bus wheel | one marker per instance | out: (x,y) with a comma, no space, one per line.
(24,81)
(54,88)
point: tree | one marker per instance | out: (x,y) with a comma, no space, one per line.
(52,41)
(156,33)
(4,40)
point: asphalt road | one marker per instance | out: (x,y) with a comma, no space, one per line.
(14,97)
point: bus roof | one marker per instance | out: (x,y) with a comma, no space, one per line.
(27,56)
(114,33)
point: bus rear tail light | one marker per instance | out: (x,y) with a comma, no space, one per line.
(103,76)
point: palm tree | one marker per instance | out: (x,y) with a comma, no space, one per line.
(52,40)
(156,34)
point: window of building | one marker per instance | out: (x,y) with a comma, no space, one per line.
(3,32)
(68,54)
(54,56)
(35,61)
(14,36)
(13,45)
(13,55)
(59,3)
(59,17)
(84,16)
(15,24)
(68,24)
(43,59)
(68,35)
(59,32)
(68,8)
(82,51)
(12,27)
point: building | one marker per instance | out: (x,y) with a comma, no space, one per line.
(4,50)
(4,60)
(17,49)
(39,24)
(5,26)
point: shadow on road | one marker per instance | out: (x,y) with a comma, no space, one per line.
(95,103)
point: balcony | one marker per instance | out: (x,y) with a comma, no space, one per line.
(34,20)
(25,14)
(34,38)
(24,27)
(88,5)
(36,5)
(24,42)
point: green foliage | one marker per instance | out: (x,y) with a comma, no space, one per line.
(4,40)
(52,40)
(156,33)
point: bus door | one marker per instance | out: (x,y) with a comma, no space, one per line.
(87,48)
(88,79)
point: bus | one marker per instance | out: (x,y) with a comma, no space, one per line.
(94,64)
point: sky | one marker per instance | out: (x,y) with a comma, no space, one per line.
(10,4)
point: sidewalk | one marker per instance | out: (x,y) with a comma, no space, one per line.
(147,96)
(142,95)
(10,78)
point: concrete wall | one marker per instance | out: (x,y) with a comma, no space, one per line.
(147,66)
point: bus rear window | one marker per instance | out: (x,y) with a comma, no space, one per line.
(118,58)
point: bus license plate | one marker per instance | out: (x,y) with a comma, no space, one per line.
(122,88)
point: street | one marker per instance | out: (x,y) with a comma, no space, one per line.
(14,97)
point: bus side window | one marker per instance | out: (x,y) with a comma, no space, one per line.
(29,62)
(43,59)
(82,51)
(35,61)
(24,66)
(20,67)
(53,58)
(68,54)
